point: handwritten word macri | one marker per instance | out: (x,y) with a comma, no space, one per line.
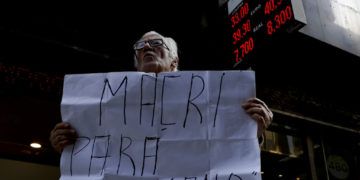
(182,125)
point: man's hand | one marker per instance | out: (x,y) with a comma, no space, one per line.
(62,135)
(259,111)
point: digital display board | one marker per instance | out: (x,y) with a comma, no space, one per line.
(254,21)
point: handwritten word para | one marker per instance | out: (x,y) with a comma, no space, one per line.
(87,144)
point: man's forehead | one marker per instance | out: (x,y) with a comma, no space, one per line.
(151,36)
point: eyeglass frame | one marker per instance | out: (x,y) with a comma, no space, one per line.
(150,44)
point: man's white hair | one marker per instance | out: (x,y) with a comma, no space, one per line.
(169,42)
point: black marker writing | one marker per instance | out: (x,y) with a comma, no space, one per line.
(195,178)
(218,100)
(74,153)
(190,100)
(106,82)
(99,156)
(122,152)
(147,103)
(162,101)
(151,155)
(235,177)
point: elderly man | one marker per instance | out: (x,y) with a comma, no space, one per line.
(156,53)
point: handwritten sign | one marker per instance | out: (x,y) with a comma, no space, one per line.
(179,125)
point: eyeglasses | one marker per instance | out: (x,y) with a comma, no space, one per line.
(152,42)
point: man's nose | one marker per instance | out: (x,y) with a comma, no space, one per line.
(147,45)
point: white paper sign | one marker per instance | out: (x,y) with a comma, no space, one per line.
(178,125)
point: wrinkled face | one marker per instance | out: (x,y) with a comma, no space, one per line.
(154,56)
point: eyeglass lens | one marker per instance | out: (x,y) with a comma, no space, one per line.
(151,42)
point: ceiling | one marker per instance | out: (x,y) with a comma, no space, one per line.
(38,47)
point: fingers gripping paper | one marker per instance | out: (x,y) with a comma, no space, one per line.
(178,125)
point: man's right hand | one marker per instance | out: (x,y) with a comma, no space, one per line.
(62,135)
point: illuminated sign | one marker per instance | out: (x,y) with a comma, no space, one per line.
(253,21)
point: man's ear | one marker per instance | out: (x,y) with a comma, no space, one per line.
(174,64)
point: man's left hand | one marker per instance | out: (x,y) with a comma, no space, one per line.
(260,112)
